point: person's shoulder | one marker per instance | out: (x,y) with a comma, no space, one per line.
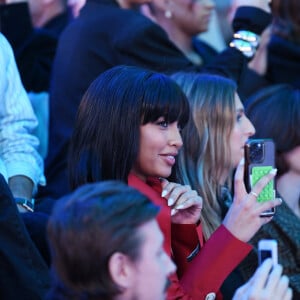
(4,44)
(6,52)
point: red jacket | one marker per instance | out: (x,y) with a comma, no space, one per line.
(208,268)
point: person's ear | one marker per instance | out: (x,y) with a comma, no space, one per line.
(121,270)
(146,11)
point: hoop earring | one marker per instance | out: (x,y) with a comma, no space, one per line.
(168,14)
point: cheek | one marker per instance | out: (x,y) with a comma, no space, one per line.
(236,134)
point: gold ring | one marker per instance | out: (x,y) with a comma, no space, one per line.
(254,194)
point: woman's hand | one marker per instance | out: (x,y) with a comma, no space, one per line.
(243,218)
(185,203)
(265,284)
(259,63)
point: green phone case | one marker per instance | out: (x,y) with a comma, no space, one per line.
(268,192)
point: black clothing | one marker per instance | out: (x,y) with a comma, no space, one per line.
(23,273)
(283,61)
(34,48)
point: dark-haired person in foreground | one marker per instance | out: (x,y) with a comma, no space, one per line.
(106,244)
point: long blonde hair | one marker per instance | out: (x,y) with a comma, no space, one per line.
(206,153)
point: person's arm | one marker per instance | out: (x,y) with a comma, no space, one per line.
(201,268)
(205,272)
(18,146)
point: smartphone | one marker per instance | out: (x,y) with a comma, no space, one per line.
(259,161)
(267,249)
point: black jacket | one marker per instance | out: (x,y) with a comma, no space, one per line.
(283,61)
(34,49)
(23,273)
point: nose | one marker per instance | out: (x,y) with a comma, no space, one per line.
(175,138)
(249,128)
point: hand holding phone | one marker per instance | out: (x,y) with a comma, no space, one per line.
(259,161)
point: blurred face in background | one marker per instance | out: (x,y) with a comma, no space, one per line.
(192,16)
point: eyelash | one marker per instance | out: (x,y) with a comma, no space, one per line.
(239,117)
(163,123)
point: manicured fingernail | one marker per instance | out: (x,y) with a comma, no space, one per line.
(242,161)
(181,206)
(273,171)
(171,201)
(164,193)
(173,211)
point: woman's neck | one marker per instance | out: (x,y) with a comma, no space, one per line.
(180,39)
(288,186)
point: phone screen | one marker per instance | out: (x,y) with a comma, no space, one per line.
(264,254)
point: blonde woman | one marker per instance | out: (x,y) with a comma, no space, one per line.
(213,142)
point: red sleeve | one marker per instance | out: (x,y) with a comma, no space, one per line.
(187,239)
(206,272)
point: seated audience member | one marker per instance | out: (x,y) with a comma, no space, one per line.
(141,42)
(23,273)
(183,21)
(275,112)
(115,264)
(213,142)
(20,162)
(41,23)
(142,153)
(106,244)
(278,61)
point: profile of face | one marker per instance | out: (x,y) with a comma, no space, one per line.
(192,16)
(148,276)
(242,130)
(159,145)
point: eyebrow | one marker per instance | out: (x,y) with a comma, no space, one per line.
(241,110)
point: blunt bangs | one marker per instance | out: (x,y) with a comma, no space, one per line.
(164,98)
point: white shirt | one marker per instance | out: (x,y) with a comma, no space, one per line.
(18,146)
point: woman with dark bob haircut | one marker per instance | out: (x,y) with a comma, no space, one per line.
(105,142)
(128,128)
(275,113)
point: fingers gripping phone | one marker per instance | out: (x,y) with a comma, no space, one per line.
(267,249)
(259,161)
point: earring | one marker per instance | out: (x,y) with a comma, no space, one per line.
(168,14)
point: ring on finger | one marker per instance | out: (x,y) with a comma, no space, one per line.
(254,194)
